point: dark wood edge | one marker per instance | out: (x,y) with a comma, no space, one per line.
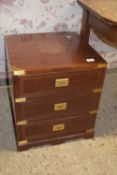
(55,141)
(97,14)
(4,84)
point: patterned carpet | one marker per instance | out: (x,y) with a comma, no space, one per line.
(96,156)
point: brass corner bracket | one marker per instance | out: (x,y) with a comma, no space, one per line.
(92,112)
(22,123)
(22,142)
(102,65)
(97,90)
(19,72)
(20,100)
(90,130)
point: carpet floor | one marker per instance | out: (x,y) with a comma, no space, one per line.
(96,156)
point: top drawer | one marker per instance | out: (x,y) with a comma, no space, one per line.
(32,85)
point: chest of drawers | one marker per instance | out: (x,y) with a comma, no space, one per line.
(57,83)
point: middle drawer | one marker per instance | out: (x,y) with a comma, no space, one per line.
(44,107)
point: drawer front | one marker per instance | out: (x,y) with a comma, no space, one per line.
(54,128)
(55,106)
(33,85)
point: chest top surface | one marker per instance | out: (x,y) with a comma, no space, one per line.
(106,9)
(49,52)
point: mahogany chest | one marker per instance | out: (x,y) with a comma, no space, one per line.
(57,83)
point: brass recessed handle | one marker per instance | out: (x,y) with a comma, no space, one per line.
(60,106)
(62,82)
(58,127)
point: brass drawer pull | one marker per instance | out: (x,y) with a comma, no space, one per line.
(60,106)
(63,82)
(58,127)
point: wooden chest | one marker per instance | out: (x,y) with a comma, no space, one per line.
(57,83)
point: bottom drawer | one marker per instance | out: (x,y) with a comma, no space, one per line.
(42,130)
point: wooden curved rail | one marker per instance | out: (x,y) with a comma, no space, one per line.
(101,23)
